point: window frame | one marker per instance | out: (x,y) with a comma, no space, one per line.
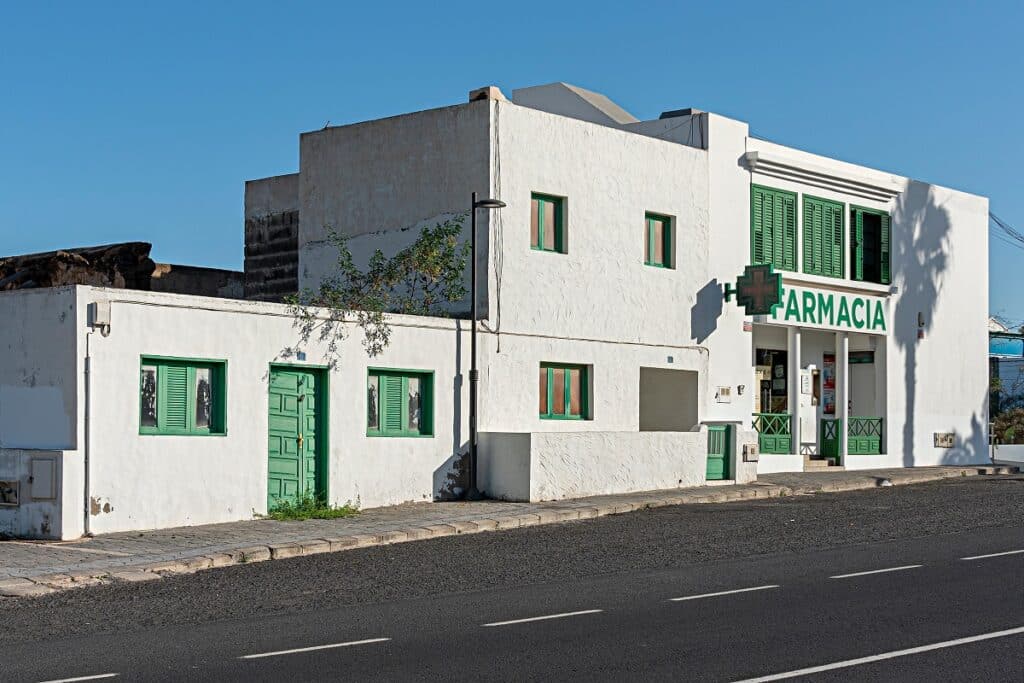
(559,240)
(805,243)
(668,241)
(585,371)
(426,378)
(884,252)
(795,196)
(219,390)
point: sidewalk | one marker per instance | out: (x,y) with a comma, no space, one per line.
(40,567)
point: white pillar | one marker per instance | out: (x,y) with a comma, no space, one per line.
(793,373)
(843,391)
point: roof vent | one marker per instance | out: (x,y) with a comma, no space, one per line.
(490,92)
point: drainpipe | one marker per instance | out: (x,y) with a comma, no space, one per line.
(85,449)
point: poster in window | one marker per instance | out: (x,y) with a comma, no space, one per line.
(828,383)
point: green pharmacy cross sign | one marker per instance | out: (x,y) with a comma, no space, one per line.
(758,290)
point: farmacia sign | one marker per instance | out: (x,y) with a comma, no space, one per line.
(830,310)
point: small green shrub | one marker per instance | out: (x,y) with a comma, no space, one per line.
(309,506)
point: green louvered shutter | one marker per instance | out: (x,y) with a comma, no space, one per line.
(857,244)
(757,201)
(391,390)
(175,397)
(836,241)
(886,251)
(813,226)
(788,261)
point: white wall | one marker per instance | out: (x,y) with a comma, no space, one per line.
(577,464)
(157,481)
(38,474)
(38,372)
(381,181)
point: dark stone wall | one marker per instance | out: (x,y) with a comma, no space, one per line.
(272,256)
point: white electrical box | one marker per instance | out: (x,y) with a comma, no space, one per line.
(43,479)
(99,314)
(750,452)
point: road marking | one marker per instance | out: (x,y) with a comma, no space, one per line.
(545,617)
(885,655)
(714,595)
(315,647)
(985,557)
(81,678)
(877,571)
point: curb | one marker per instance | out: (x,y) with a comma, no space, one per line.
(52,583)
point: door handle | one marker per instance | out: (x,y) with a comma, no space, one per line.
(300,442)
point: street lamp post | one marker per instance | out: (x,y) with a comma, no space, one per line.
(474,375)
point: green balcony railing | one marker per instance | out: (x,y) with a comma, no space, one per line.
(774,432)
(865,436)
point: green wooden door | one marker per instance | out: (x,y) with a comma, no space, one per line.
(719,452)
(293,464)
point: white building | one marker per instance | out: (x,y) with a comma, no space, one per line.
(609,359)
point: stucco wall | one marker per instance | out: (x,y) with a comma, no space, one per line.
(38,474)
(39,371)
(575,464)
(387,179)
(145,481)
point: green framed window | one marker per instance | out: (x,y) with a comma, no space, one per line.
(182,396)
(399,402)
(773,227)
(547,223)
(823,237)
(658,241)
(870,245)
(564,391)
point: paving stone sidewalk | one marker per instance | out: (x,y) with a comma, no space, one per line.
(40,567)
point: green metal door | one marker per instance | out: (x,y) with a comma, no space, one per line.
(293,455)
(719,452)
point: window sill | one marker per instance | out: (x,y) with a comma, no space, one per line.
(547,251)
(154,433)
(409,435)
(569,418)
(658,266)
(836,283)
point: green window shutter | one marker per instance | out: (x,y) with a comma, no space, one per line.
(547,233)
(788,232)
(823,237)
(757,241)
(392,402)
(886,250)
(836,241)
(857,244)
(773,227)
(176,398)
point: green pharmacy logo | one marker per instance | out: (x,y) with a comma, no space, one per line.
(758,290)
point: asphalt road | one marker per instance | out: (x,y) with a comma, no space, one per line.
(467,608)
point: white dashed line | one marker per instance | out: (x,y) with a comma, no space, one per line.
(715,595)
(985,557)
(548,616)
(885,655)
(877,571)
(315,647)
(81,678)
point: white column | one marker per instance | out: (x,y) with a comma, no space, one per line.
(793,372)
(843,391)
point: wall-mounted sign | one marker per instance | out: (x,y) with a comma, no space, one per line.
(830,310)
(758,290)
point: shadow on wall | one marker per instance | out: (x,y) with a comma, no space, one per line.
(451,479)
(967,451)
(706,311)
(920,255)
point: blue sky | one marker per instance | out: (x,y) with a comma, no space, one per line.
(132,121)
